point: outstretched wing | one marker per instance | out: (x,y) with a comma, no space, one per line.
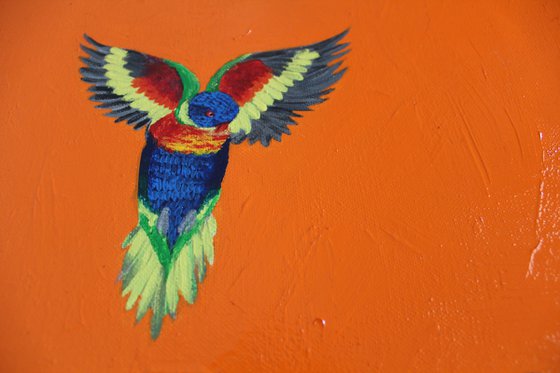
(135,87)
(271,87)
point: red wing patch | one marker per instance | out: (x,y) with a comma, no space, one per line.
(161,83)
(245,79)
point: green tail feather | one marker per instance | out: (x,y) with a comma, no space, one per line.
(158,276)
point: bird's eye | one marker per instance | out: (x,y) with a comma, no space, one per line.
(209,113)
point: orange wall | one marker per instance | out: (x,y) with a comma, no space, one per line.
(416,212)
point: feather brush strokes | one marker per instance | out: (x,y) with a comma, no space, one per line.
(255,97)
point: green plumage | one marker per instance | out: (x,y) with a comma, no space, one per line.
(156,275)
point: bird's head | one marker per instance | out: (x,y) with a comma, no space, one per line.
(211,109)
(199,125)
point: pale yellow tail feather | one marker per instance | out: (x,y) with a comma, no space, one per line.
(149,283)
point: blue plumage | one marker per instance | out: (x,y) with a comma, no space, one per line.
(209,109)
(179,182)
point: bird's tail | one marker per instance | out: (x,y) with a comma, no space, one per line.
(159,276)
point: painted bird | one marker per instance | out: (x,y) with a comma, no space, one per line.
(188,134)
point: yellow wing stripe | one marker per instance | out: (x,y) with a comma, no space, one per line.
(120,80)
(273,90)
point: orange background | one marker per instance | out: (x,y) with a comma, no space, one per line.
(409,223)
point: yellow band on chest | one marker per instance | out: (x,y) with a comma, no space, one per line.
(188,139)
(193,145)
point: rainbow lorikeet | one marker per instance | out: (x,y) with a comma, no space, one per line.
(188,135)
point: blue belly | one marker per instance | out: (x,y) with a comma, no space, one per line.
(178,181)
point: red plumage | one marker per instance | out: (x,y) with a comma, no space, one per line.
(160,83)
(244,79)
(173,136)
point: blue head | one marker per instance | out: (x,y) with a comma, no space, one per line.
(209,109)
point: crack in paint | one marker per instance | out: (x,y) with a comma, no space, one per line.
(474,150)
(540,198)
(531,269)
(517,138)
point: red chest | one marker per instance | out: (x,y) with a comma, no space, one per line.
(173,136)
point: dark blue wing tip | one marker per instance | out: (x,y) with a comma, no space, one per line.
(97,45)
(344,32)
(333,40)
(90,40)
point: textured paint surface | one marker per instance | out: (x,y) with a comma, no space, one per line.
(411,223)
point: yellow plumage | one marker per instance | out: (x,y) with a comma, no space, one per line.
(155,281)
